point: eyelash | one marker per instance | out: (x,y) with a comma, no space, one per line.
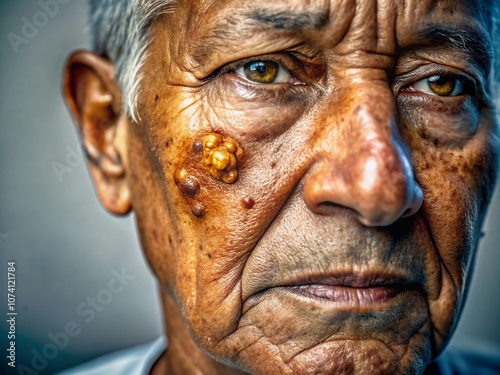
(469,84)
(286,59)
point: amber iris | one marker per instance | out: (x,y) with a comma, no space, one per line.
(261,71)
(442,85)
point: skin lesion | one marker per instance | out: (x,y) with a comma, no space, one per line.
(221,156)
(187,184)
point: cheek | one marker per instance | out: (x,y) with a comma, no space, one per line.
(455,192)
(457,184)
(216,217)
(153,217)
(457,178)
(453,158)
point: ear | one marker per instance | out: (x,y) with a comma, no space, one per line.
(94,100)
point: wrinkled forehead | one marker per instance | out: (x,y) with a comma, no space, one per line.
(390,14)
(208,29)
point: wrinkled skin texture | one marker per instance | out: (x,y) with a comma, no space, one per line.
(348,173)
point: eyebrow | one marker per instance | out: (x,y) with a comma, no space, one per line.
(245,25)
(290,21)
(474,43)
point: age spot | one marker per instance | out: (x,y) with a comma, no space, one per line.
(247,203)
(221,156)
(188,185)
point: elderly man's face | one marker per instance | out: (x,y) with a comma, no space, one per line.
(363,156)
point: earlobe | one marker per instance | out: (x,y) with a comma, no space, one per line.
(94,99)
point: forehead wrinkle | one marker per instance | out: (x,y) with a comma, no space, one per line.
(249,23)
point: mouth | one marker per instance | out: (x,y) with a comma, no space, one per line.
(350,291)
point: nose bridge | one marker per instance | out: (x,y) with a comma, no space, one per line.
(363,137)
(363,163)
(363,116)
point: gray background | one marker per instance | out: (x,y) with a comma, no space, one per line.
(65,245)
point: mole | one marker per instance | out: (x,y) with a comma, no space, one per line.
(188,185)
(198,146)
(198,210)
(247,203)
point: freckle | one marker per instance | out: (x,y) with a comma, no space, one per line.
(209,255)
(170,240)
(247,203)
(188,185)
(156,98)
(273,164)
(169,141)
(200,246)
(198,210)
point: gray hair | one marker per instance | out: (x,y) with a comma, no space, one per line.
(120,31)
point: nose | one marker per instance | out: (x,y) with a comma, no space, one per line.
(362,163)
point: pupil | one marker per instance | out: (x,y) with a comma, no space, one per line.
(258,67)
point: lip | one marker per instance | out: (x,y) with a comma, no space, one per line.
(347,296)
(348,290)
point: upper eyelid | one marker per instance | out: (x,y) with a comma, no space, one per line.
(286,60)
(466,81)
(411,78)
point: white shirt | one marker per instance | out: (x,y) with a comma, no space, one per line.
(136,360)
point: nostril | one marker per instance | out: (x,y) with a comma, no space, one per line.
(328,204)
(408,212)
(326,208)
(416,201)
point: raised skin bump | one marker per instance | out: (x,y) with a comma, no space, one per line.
(188,185)
(247,202)
(221,156)
(198,210)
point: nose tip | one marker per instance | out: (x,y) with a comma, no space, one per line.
(376,182)
(387,207)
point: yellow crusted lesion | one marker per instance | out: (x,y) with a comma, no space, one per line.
(221,156)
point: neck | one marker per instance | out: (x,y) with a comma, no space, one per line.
(182,355)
